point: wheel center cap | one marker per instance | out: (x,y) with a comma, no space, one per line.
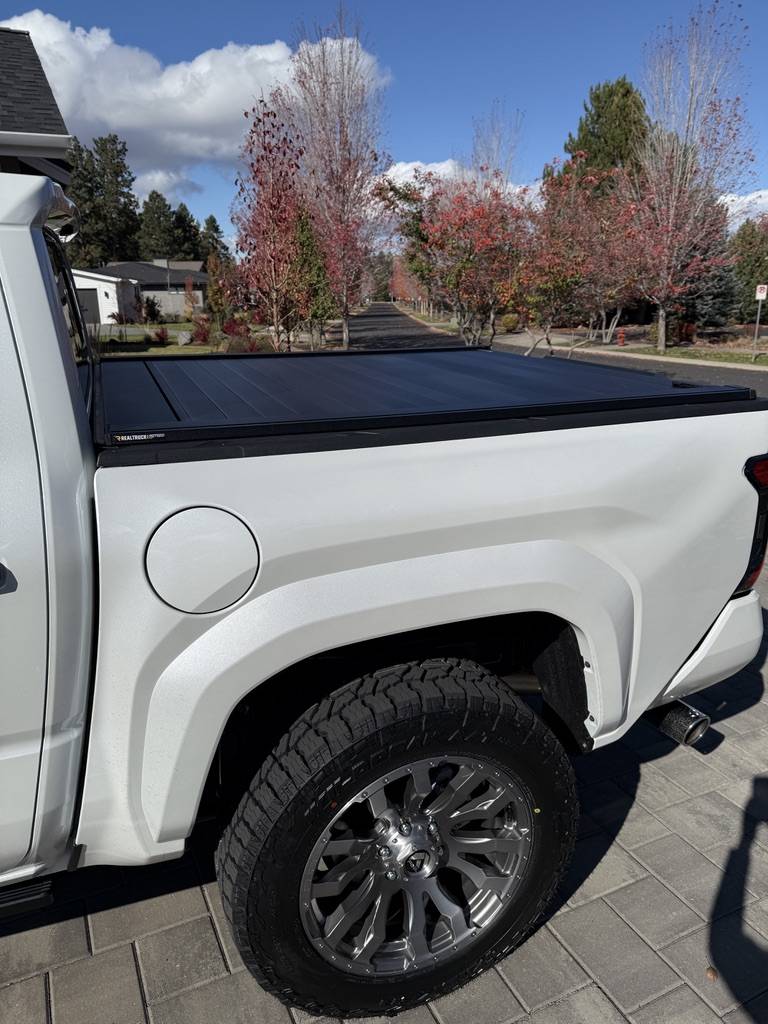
(419,862)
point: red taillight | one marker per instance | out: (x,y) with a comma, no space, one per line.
(756,471)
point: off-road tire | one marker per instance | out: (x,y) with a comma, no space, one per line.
(377,723)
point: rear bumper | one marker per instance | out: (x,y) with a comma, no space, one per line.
(732,642)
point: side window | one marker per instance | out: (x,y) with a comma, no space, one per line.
(73,319)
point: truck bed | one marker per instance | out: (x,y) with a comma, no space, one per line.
(207,398)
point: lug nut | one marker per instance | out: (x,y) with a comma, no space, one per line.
(384,851)
(391,875)
(405,827)
(431,828)
(381,825)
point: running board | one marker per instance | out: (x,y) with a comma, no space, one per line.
(20,899)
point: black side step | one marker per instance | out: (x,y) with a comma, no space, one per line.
(20,899)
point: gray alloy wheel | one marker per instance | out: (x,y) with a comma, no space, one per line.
(414,867)
(406,833)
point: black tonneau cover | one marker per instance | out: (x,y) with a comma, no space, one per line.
(196,398)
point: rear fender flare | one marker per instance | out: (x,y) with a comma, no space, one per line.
(196,693)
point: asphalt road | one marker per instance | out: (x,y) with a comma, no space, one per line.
(382,325)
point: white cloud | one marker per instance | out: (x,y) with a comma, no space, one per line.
(753,204)
(172,116)
(405,170)
(172,184)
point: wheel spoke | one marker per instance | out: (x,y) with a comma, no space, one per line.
(373,932)
(486,806)
(448,909)
(347,846)
(478,876)
(338,923)
(417,789)
(456,791)
(416,923)
(334,881)
(486,841)
(377,801)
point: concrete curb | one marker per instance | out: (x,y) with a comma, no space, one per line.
(593,350)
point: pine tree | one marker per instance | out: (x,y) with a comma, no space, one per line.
(156,237)
(186,235)
(614,122)
(212,240)
(86,249)
(716,300)
(102,188)
(749,249)
(117,203)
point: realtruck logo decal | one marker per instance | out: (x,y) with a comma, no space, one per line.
(136,437)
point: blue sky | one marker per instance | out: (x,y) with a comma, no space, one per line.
(447,61)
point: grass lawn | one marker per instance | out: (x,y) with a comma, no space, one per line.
(722,356)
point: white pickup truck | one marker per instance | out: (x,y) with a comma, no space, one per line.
(322,593)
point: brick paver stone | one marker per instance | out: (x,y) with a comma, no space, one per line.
(651,788)
(236,999)
(39,941)
(147,904)
(542,970)
(224,932)
(653,911)
(101,988)
(623,965)
(682,1006)
(690,773)
(178,958)
(753,1012)
(737,952)
(691,875)
(704,820)
(599,866)
(486,1000)
(24,1002)
(587,1006)
(757,870)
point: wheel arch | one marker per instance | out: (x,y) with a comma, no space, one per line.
(534,653)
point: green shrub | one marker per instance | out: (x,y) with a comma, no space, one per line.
(510,322)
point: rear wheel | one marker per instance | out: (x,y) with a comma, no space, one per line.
(405,834)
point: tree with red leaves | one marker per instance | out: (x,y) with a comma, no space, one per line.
(694,152)
(403,285)
(464,239)
(267,217)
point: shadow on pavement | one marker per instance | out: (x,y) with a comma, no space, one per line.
(734,949)
(608,783)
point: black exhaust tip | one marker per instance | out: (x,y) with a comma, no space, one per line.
(680,722)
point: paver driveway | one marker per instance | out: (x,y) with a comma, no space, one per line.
(663,918)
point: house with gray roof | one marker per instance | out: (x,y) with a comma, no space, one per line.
(166,281)
(33,136)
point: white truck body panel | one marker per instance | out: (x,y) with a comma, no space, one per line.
(629,532)
(43,732)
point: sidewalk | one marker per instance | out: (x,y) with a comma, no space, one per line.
(522,342)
